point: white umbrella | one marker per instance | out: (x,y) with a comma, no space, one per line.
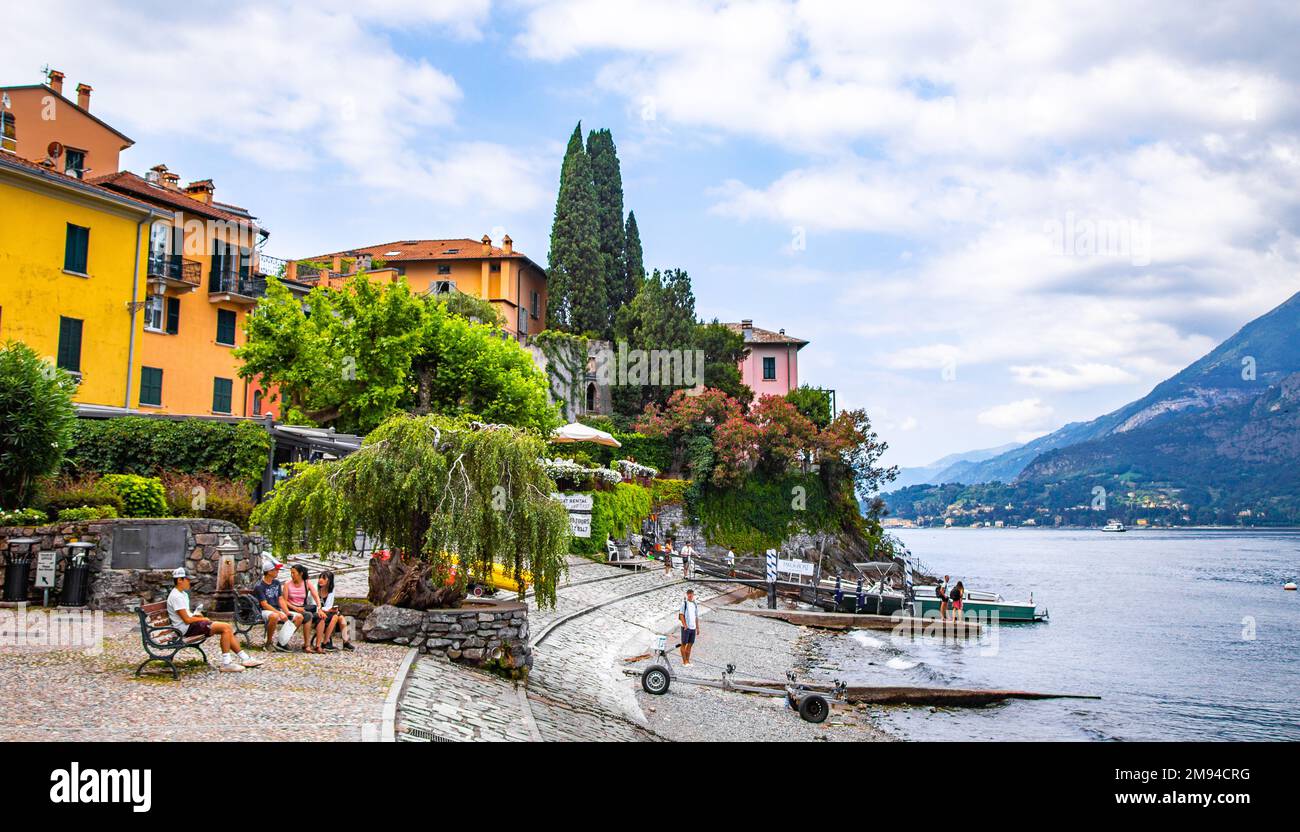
(578,432)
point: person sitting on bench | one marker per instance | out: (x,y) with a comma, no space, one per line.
(191,624)
(270,598)
(330,617)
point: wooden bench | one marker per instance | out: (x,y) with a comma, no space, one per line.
(162,641)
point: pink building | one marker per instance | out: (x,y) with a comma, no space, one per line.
(772,366)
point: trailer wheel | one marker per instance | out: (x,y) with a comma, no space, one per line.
(814,708)
(655,680)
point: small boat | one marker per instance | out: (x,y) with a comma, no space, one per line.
(881,598)
(1289,586)
(1114,526)
(978,602)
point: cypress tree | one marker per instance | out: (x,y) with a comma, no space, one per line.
(608,179)
(575,280)
(633,259)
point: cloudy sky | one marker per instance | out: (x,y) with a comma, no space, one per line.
(990,219)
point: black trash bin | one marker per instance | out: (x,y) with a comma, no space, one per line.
(75,582)
(17,570)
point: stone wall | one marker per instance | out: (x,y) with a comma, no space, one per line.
(120,590)
(470,635)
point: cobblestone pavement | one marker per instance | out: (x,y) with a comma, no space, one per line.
(576,691)
(69,694)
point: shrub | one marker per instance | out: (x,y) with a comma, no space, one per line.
(22,517)
(138,445)
(197,495)
(37,416)
(760,513)
(613,514)
(69,515)
(142,496)
(669,491)
(77,493)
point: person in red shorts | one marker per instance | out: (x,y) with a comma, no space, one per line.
(191,624)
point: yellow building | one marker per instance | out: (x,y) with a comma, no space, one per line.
(509,279)
(72,262)
(204,277)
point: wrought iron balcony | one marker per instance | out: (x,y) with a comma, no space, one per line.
(236,288)
(175,271)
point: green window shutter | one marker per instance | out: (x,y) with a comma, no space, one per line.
(76,249)
(69,357)
(173,315)
(221,389)
(151,385)
(225,327)
(769,368)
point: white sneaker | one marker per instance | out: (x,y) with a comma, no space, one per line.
(250,662)
(232,667)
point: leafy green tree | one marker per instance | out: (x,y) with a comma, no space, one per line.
(608,179)
(723,352)
(660,317)
(449,495)
(36,422)
(633,257)
(813,402)
(352,357)
(578,297)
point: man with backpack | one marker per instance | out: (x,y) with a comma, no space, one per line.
(689,616)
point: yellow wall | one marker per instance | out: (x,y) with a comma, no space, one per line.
(191,359)
(35,291)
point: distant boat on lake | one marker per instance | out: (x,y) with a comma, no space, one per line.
(1114,526)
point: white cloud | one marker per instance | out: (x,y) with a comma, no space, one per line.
(315,87)
(1022,415)
(1074,377)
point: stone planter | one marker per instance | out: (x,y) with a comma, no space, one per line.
(473,635)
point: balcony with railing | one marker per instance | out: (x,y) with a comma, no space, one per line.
(174,272)
(236,287)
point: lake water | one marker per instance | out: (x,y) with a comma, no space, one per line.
(1185,634)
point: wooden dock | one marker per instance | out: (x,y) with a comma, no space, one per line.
(636,564)
(902,625)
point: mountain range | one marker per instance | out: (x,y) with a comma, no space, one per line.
(1223,433)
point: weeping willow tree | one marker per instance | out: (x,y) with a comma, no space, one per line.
(447,495)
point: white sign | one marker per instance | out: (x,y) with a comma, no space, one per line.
(795,567)
(45,566)
(771,566)
(574,502)
(580,525)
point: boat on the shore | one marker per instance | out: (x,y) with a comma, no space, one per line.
(979,602)
(879,597)
(1114,526)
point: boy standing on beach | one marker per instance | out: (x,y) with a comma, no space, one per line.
(689,616)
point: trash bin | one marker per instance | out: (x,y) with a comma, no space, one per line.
(76,577)
(18,568)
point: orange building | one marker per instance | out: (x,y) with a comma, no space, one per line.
(204,277)
(38,123)
(509,279)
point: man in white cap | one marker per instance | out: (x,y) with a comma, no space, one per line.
(275,609)
(191,624)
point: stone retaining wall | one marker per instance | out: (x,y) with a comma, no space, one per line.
(470,635)
(120,590)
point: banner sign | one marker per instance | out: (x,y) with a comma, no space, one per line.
(795,567)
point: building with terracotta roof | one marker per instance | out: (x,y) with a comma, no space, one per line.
(509,279)
(37,122)
(771,367)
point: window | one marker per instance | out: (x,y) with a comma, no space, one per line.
(221,388)
(69,357)
(444,270)
(226,327)
(769,368)
(8,132)
(173,315)
(536,304)
(494,267)
(154,311)
(76,249)
(74,162)
(257,402)
(151,386)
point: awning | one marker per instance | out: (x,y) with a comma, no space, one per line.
(578,432)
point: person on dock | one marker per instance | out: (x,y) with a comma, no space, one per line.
(688,561)
(689,616)
(957,597)
(668,557)
(941,592)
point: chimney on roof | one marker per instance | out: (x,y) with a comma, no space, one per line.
(56,81)
(170,181)
(508,244)
(747,328)
(83,96)
(487,245)
(200,190)
(154,174)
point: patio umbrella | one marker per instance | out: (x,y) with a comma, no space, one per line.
(578,432)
